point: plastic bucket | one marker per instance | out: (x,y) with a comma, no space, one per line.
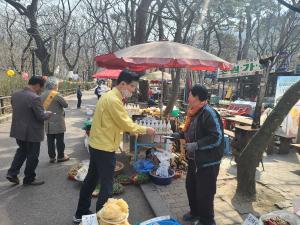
(162,180)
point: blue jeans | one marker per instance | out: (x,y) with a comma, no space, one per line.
(101,171)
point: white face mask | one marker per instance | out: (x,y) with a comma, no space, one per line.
(126,93)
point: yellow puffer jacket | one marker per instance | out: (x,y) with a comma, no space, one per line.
(109,121)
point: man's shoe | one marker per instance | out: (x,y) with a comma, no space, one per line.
(12,179)
(77,219)
(36,182)
(65,158)
(197,222)
(52,160)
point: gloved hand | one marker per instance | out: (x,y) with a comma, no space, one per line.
(176,135)
(190,149)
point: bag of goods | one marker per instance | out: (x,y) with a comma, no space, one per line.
(73,171)
(280,217)
(82,172)
(114,211)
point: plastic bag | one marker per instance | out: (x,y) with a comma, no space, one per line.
(162,220)
(143,166)
(285,215)
(163,169)
(164,156)
(164,165)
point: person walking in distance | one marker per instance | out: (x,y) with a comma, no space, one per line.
(79,95)
(55,127)
(27,128)
(110,119)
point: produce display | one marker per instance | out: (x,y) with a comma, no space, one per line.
(276,221)
(123,179)
(117,189)
(140,178)
(153,111)
(78,171)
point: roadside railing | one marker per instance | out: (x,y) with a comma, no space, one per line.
(5,105)
(5,101)
(68,91)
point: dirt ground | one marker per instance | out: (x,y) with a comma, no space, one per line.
(266,198)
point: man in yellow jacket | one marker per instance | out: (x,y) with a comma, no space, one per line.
(110,119)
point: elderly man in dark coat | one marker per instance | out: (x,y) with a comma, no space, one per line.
(28,129)
(55,127)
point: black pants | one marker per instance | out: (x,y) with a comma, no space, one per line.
(78,102)
(101,171)
(60,145)
(30,152)
(201,188)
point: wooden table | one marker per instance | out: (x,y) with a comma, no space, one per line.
(285,142)
(243,120)
(296,146)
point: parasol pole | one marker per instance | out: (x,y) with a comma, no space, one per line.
(162,93)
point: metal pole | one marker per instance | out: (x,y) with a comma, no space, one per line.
(162,93)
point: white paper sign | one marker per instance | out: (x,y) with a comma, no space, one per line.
(89,219)
(251,220)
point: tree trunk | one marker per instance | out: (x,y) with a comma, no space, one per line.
(261,94)
(174,92)
(144,88)
(23,56)
(241,29)
(141,21)
(252,154)
(41,51)
(246,44)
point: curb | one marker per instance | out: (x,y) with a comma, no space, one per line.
(158,205)
(5,118)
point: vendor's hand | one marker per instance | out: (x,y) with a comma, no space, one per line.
(190,149)
(48,114)
(150,131)
(176,135)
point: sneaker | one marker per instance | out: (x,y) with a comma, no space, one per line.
(65,158)
(52,160)
(36,182)
(13,179)
(188,217)
(77,219)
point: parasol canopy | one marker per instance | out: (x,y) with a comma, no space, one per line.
(157,75)
(108,74)
(162,54)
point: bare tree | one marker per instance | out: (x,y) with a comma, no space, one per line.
(288,36)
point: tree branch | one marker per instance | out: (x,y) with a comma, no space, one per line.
(19,7)
(291,7)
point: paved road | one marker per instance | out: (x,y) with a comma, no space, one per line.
(54,202)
